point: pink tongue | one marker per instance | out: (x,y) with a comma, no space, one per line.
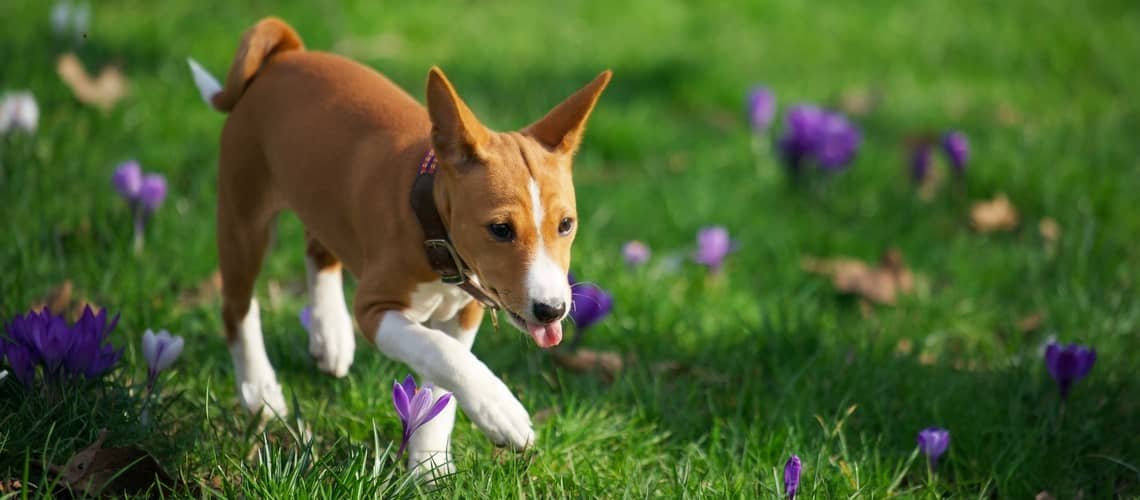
(546,336)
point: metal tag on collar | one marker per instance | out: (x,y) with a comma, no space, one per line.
(460,275)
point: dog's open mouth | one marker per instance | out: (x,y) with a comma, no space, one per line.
(545,336)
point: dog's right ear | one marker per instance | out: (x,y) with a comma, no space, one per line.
(456,134)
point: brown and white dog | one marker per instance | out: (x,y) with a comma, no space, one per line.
(339,144)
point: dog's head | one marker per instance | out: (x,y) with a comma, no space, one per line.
(509,201)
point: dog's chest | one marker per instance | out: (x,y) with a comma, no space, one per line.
(436,300)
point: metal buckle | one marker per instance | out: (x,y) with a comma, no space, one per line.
(460,275)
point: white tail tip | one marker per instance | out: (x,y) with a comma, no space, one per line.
(208,86)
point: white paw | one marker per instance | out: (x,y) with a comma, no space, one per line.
(265,397)
(490,405)
(430,465)
(331,340)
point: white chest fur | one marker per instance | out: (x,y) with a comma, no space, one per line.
(436,300)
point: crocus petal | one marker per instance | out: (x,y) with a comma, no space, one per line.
(128,179)
(400,401)
(1087,361)
(792,476)
(421,403)
(170,353)
(150,348)
(409,386)
(1052,351)
(439,405)
(152,192)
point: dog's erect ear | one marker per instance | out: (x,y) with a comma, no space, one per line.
(561,129)
(456,134)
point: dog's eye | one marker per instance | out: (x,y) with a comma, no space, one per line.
(501,231)
(565,226)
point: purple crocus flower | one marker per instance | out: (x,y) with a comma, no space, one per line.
(588,304)
(838,142)
(1068,364)
(812,135)
(957,149)
(415,406)
(920,157)
(22,360)
(933,442)
(128,180)
(713,245)
(90,355)
(761,108)
(792,471)
(635,253)
(801,135)
(152,192)
(306,317)
(44,341)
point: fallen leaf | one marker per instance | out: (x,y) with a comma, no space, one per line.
(880,284)
(1031,322)
(669,368)
(1051,232)
(931,184)
(206,292)
(101,92)
(1007,115)
(997,214)
(904,347)
(57,300)
(113,471)
(608,363)
(1044,495)
(10,486)
(859,101)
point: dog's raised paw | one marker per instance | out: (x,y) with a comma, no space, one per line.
(490,405)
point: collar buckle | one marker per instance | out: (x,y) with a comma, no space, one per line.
(460,276)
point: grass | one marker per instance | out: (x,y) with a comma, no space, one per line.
(778,363)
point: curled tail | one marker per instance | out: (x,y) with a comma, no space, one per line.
(269,36)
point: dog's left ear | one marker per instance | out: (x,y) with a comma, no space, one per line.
(561,129)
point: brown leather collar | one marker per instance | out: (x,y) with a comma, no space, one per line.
(441,254)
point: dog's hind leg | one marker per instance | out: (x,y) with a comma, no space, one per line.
(429,451)
(245,213)
(331,340)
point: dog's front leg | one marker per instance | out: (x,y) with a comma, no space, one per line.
(429,451)
(446,361)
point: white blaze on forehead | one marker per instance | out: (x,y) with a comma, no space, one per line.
(545,279)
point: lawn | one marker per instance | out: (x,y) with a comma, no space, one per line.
(725,374)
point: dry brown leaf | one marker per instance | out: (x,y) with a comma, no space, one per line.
(1007,115)
(207,291)
(57,300)
(102,91)
(997,214)
(10,486)
(858,101)
(1031,322)
(904,347)
(1051,232)
(114,471)
(880,284)
(1044,495)
(669,368)
(931,184)
(608,363)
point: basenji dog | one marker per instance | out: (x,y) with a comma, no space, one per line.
(427,208)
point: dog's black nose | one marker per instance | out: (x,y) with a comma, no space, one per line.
(547,313)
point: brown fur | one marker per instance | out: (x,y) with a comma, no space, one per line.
(339,144)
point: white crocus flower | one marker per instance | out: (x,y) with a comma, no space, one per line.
(160,351)
(18,110)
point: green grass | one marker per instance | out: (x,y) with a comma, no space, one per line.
(779,364)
